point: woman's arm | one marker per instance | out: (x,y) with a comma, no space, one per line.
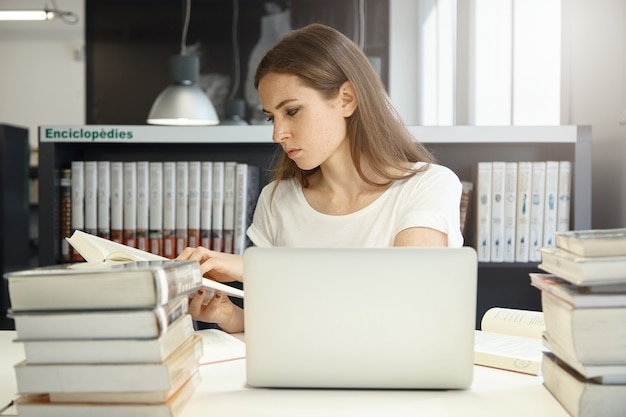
(218,266)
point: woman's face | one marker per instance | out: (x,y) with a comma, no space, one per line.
(309,127)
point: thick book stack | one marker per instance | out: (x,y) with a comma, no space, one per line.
(162,206)
(519,208)
(106,339)
(583,297)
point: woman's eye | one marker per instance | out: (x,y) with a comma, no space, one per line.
(292,112)
(270,119)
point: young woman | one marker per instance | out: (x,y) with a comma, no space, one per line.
(351,173)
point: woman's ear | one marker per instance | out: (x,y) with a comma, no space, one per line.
(349,101)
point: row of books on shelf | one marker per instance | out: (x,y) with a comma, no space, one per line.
(519,208)
(578,341)
(160,206)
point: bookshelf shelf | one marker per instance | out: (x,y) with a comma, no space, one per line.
(458,147)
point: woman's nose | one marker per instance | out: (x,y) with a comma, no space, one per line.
(280,134)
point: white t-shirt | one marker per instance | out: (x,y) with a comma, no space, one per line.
(428,199)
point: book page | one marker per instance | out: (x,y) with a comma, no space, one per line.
(96,249)
(523,323)
(219,346)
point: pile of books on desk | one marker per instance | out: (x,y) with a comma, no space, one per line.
(107,339)
(583,297)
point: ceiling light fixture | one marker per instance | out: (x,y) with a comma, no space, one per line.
(44,14)
(183,103)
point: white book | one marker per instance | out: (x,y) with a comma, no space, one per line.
(537,210)
(483,212)
(182,198)
(522,215)
(247,187)
(91,197)
(498,170)
(510,211)
(193,216)
(206,205)
(550,203)
(78,199)
(130,204)
(117,201)
(217,218)
(104,199)
(155,209)
(143,204)
(564,196)
(229,205)
(169,209)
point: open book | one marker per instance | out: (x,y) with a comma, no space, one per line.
(510,339)
(96,250)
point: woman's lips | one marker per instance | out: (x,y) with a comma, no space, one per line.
(291,153)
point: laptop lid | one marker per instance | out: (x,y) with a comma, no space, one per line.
(398,318)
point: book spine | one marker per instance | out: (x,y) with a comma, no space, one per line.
(193,217)
(169,209)
(217,218)
(522,216)
(78,201)
(550,203)
(155,209)
(498,170)
(117,201)
(91,197)
(510,210)
(537,210)
(483,212)
(229,205)
(464,208)
(130,204)
(104,199)
(66,212)
(206,205)
(246,194)
(182,209)
(564,196)
(143,204)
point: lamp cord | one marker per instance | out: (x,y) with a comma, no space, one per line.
(236,58)
(70,18)
(183,41)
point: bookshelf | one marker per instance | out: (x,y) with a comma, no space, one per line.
(458,147)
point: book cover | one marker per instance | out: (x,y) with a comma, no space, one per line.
(206,202)
(104,199)
(522,215)
(81,285)
(130,204)
(182,209)
(247,190)
(229,206)
(510,210)
(498,172)
(483,212)
(580,296)
(581,270)
(78,200)
(155,209)
(193,216)
(537,203)
(131,350)
(91,197)
(143,204)
(111,377)
(65,201)
(550,203)
(593,242)
(563,208)
(146,323)
(169,209)
(217,218)
(117,201)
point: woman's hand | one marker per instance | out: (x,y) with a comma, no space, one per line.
(218,266)
(218,309)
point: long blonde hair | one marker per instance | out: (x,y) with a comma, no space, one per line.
(323,58)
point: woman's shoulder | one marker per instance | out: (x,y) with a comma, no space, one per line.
(434,170)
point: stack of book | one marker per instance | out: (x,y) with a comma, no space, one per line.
(106,339)
(583,297)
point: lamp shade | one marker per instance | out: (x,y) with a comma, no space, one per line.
(183,103)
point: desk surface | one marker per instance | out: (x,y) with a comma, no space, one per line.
(223,392)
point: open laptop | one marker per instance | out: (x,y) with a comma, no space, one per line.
(379,318)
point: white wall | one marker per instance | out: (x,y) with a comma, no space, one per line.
(43,82)
(42,69)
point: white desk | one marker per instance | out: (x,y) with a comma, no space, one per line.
(223,393)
